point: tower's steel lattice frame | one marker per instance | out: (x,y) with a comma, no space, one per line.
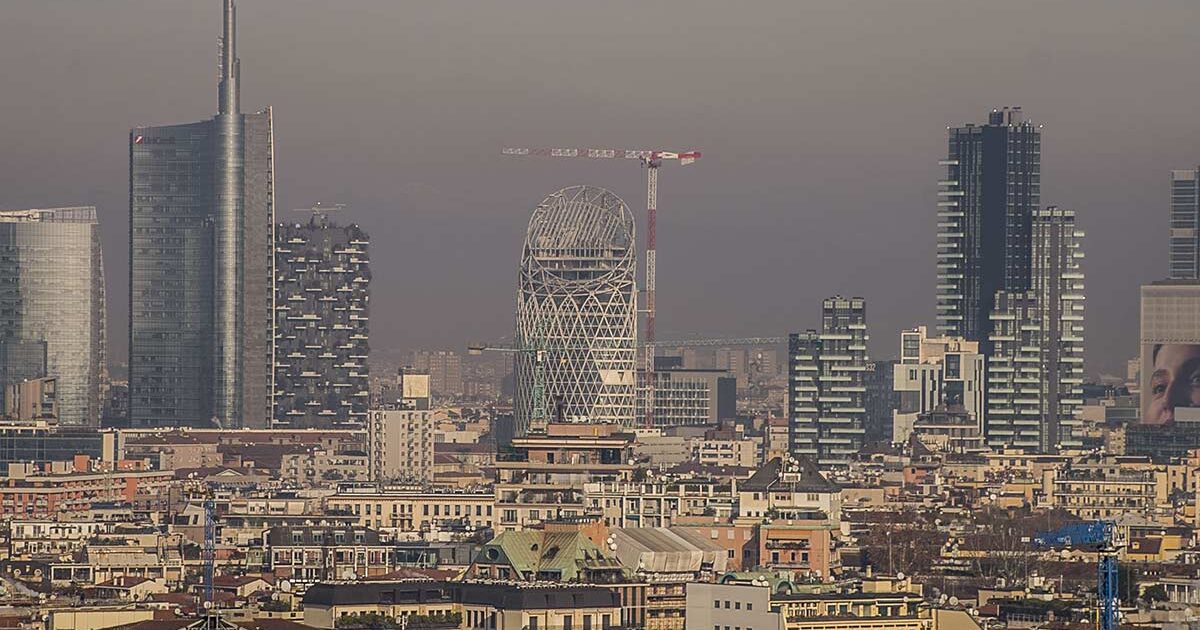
(577,300)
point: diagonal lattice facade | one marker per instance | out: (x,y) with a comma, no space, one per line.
(577,303)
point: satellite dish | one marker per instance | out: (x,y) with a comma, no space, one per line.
(285,586)
(943,599)
(900,575)
(953,600)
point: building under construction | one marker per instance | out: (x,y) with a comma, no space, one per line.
(576,332)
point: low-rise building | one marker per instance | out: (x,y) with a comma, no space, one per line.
(789,488)
(414,509)
(542,480)
(482,605)
(44,495)
(655,503)
(668,560)
(307,555)
(317,466)
(544,556)
(1102,487)
(732,606)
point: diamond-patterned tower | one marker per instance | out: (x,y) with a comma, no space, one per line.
(577,307)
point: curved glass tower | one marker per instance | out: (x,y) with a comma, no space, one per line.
(202,215)
(576,334)
(52,306)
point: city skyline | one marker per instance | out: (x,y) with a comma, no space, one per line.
(1119,186)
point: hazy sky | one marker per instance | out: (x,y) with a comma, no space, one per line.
(821,125)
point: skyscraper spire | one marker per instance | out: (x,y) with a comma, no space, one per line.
(230,66)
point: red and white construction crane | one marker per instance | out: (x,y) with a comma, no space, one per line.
(651,160)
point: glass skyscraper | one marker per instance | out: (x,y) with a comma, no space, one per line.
(985,209)
(201,226)
(52,306)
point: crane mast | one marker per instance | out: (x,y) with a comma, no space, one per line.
(1099,537)
(652,165)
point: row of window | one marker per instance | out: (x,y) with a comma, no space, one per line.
(736,605)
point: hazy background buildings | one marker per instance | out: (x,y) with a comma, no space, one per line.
(842,143)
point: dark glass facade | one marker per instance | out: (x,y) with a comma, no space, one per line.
(201,227)
(1185,225)
(43,445)
(1162,443)
(322,294)
(985,209)
(52,306)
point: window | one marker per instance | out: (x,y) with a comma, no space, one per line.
(737,605)
(749,605)
(566,622)
(533,623)
(727,604)
(716,603)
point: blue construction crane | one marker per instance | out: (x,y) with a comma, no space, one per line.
(210,555)
(1099,537)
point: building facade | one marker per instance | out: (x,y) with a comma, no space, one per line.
(689,397)
(1035,376)
(401,432)
(1169,343)
(826,389)
(322,294)
(946,373)
(576,337)
(401,444)
(1185,225)
(985,209)
(202,213)
(52,308)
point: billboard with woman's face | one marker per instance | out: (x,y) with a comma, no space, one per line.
(1170,379)
(1170,348)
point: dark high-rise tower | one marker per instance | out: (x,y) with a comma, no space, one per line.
(201,214)
(321,325)
(1185,225)
(1035,373)
(985,208)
